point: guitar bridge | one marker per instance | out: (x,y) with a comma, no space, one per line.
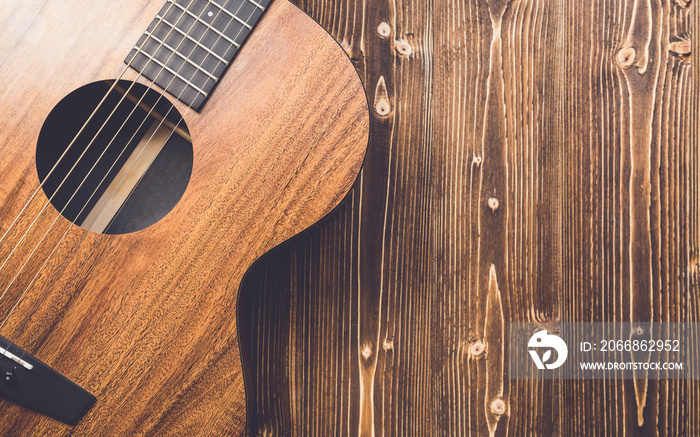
(32,384)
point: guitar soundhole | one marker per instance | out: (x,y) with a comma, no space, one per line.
(114,158)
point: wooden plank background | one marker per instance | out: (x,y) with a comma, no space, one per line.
(530,160)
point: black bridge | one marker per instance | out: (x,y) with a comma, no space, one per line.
(32,384)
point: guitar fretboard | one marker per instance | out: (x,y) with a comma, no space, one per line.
(189,44)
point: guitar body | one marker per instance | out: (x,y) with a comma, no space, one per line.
(146,321)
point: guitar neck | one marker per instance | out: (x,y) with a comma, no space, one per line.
(189,44)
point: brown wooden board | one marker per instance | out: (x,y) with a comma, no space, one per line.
(548,172)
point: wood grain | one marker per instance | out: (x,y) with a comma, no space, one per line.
(146,321)
(530,160)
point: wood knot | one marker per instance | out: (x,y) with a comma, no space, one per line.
(626,57)
(366,351)
(384,30)
(345,44)
(685,4)
(383,107)
(498,407)
(388,344)
(493,204)
(403,47)
(694,271)
(680,48)
(476,160)
(552,326)
(639,330)
(477,349)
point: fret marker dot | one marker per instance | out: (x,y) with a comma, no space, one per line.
(210,13)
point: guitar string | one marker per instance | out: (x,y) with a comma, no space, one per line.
(123,178)
(175,128)
(81,156)
(99,105)
(129,116)
(85,151)
(48,287)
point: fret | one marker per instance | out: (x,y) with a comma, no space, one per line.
(173,72)
(192,43)
(230,14)
(203,47)
(209,26)
(189,60)
(185,58)
(256,4)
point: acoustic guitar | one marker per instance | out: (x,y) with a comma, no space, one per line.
(150,154)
